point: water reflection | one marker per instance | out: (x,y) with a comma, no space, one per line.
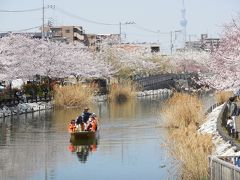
(83,147)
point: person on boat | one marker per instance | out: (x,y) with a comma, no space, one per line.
(85,117)
(72,126)
(79,123)
(79,120)
(92,123)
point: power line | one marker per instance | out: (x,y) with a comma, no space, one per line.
(27,29)
(84,19)
(22,29)
(17,11)
(107,24)
(150,31)
(144,29)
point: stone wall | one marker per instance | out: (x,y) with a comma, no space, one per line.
(24,108)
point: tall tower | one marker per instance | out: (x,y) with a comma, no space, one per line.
(183,23)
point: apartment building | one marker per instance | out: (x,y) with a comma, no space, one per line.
(67,34)
(205,44)
(76,33)
(71,34)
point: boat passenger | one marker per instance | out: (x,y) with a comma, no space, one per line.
(86,115)
(79,123)
(93,123)
(72,126)
(78,120)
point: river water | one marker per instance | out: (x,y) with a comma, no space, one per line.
(130,145)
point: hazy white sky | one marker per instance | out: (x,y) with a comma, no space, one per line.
(204,16)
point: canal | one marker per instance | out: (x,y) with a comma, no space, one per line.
(130,145)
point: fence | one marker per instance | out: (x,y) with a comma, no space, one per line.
(15,101)
(209,110)
(224,168)
(161,81)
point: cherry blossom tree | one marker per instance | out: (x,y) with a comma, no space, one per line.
(23,57)
(191,61)
(128,60)
(224,65)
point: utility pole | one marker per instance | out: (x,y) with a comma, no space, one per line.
(171,39)
(171,42)
(43,35)
(120,32)
(120,28)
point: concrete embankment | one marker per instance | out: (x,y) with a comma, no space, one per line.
(223,145)
(159,92)
(23,108)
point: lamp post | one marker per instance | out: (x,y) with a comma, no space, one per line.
(120,28)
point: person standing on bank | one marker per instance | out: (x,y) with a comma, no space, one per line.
(233,110)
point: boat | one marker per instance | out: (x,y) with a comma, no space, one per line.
(76,141)
(77,131)
(76,135)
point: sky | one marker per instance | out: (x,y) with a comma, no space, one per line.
(154,19)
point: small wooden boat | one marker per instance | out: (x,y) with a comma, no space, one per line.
(77,132)
(83,141)
(83,134)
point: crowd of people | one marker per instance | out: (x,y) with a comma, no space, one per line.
(232,113)
(85,122)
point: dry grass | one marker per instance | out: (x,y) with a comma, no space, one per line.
(223,96)
(182,109)
(122,92)
(72,96)
(184,114)
(192,150)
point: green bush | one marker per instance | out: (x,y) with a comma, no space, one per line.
(31,89)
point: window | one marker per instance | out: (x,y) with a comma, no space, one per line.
(67,31)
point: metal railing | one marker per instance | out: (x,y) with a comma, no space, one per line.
(211,108)
(224,168)
(162,80)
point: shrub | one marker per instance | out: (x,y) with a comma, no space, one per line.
(223,96)
(182,109)
(72,95)
(192,150)
(31,89)
(122,92)
(185,144)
